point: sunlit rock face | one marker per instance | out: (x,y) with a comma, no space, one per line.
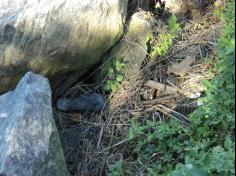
(29,141)
(132,49)
(179,7)
(56,37)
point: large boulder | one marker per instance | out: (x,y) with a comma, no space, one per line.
(56,37)
(29,141)
(180,7)
(132,49)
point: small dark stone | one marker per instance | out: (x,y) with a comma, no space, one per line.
(87,103)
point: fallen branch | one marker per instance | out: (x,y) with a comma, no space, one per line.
(179,90)
(159,100)
(173,114)
(119,143)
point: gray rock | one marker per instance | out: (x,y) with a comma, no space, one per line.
(56,37)
(29,141)
(180,7)
(133,46)
(87,103)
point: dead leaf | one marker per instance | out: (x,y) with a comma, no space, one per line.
(183,67)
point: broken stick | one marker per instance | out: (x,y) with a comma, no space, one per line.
(161,100)
(173,113)
(163,87)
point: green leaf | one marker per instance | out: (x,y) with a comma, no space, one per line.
(130,134)
(188,170)
(206,83)
(110,71)
(228,143)
(107,87)
(119,78)
(114,86)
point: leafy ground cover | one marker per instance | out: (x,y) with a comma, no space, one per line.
(207,147)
